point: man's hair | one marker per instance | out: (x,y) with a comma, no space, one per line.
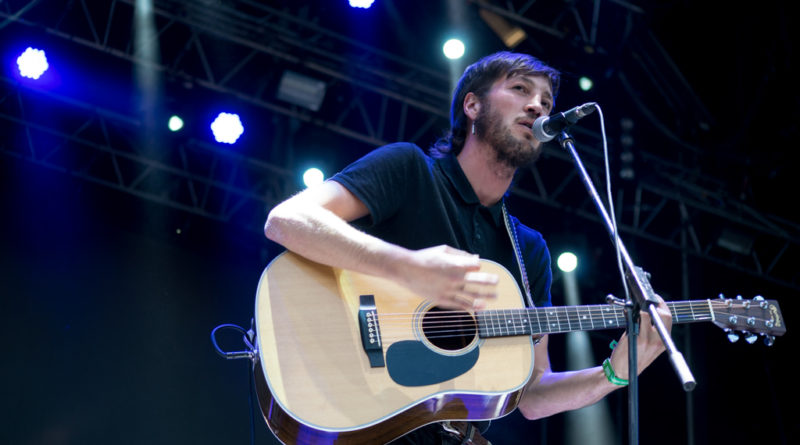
(478,78)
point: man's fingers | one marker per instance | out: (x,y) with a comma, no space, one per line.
(454,251)
(469,301)
(481,278)
(479,285)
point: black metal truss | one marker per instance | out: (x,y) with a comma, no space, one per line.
(220,45)
(627,47)
(102,147)
(668,204)
(674,208)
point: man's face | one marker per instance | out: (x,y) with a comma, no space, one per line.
(506,115)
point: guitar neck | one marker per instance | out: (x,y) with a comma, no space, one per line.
(559,319)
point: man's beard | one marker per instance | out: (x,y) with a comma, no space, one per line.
(508,149)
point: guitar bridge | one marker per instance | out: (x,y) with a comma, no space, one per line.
(370,331)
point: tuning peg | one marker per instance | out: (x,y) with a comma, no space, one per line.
(739,297)
(758,298)
(761,301)
(721,296)
(769,340)
(732,336)
(750,337)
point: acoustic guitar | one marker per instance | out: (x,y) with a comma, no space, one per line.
(345,357)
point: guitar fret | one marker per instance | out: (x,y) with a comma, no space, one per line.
(603,317)
(676,315)
(514,322)
(499,326)
(575,319)
(549,312)
(569,325)
(615,321)
(556,324)
(587,316)
(538,329)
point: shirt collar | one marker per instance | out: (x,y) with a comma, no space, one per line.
(452,170)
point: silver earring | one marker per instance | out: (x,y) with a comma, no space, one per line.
(473,128)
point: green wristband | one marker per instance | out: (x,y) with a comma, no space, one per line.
(609,371)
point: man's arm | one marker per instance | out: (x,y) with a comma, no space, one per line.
(549,392)
(314,224)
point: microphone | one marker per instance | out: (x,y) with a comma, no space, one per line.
(546,128)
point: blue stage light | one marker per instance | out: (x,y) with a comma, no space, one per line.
(361,3)
(227,128)
(32,63)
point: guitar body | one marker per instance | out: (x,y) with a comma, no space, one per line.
(315,382)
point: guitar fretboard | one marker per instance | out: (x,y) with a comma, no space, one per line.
(558,319)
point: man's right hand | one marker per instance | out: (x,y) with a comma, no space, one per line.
(448,277)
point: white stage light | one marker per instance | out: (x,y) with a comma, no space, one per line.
(365,4)
(227,128)
(567,261)
(32,63)
(453,49)
(175,123)
(313,176)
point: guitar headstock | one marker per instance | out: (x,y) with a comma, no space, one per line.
(751,317)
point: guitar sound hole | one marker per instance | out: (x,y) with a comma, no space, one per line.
(449,330)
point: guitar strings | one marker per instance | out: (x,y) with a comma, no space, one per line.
(462,323)
(678,309)
(392,332)
(500,323)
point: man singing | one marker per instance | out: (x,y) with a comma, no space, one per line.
(424,221)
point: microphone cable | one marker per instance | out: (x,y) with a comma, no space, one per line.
(247,338)
(611,203)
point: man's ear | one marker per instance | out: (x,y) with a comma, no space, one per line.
(472,105)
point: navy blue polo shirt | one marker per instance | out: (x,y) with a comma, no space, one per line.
(416,201)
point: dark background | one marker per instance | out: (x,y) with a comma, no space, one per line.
(107,300)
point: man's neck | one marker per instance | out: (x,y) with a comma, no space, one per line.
(489,179)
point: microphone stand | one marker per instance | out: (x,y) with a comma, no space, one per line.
(643,298)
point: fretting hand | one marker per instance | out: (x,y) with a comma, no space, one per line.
(649,344)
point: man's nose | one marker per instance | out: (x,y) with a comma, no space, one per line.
(534,108)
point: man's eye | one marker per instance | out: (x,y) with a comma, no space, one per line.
(521,88)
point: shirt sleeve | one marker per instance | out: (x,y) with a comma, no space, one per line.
(382,178)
